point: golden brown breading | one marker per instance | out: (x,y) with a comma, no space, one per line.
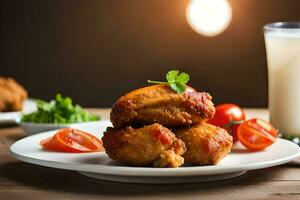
(12,95)
(206,144)
(160,104)
(150,145)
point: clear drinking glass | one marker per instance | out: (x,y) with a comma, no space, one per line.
(282,41)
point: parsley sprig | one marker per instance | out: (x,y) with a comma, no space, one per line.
(176,80)
(61,110)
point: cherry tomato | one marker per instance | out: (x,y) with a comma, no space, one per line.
(256,134)
(228,116)
(72,140)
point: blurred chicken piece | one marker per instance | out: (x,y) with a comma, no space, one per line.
(12,95)
(160,104)
(206,144)
(150,145)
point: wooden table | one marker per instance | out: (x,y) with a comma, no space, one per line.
(20,180)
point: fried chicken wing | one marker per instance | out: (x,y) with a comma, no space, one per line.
(12,95)
(206,144)
(150,145)
(160,104)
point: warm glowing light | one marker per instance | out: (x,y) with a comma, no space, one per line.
(209,17)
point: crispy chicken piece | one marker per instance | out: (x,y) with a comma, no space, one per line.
(160,104)
(206,144)
(12,95)
(150,145)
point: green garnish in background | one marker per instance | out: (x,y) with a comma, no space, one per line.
(176,80)
(59,111)
(292,138)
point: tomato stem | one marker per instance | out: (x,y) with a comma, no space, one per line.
(232,122)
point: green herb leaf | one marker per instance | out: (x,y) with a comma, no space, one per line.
(183,78)
(178,87)
(59,111)
(172,76)
(177,81)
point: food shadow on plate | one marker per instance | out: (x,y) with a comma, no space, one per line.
(109,162)
(104,160)
(99,158)
(239,148)
(244,150)
(117,163)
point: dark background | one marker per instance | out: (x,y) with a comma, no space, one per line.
(94,51)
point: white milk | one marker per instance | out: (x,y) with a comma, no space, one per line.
(283,55)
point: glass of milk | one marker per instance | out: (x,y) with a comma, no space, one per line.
(283,55)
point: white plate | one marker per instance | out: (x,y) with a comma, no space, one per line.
(29,106)
(98,165)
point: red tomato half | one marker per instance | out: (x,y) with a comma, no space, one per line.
(72,140)
(228,116)
(256,134)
